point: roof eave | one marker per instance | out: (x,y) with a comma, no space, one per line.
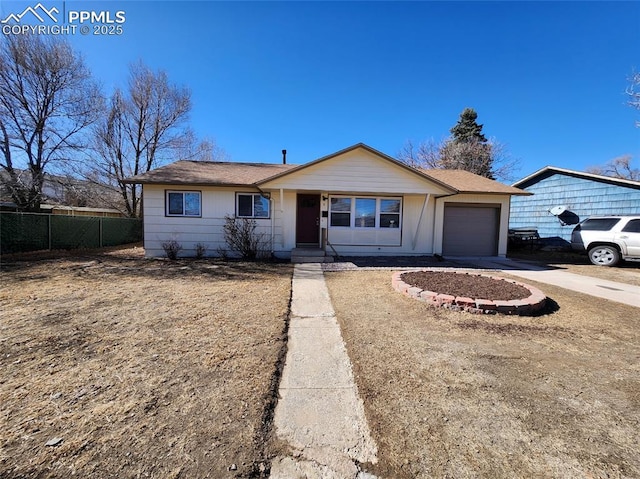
(510,193)
(132,181)
(580,174)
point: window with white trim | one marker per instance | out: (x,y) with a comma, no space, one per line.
(364,212)
(389,216)
(183,203)
(250,205)
(340,211)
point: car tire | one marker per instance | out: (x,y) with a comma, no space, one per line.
(604,255)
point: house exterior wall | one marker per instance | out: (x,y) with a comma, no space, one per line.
(414,237)
(207,229)
(416,234)
(420,233)
(582,196)
(363,174)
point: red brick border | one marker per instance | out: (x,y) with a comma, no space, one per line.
(523,307)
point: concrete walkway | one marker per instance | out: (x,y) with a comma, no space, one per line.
(601,288)
(319,413)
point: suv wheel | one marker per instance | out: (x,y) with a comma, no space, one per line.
(604,255)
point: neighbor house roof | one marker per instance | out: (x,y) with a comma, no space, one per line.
(214,173)
(548,171)
(210,173)
(467,182)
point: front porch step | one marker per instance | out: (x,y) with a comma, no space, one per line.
(312,259)
(310,255)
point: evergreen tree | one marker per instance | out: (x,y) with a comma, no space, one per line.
(467,129)
(468,149)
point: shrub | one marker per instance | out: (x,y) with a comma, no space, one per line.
(201,250)
(241,237)
(223,253)
(171,249)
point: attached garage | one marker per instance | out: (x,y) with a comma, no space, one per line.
(470,230)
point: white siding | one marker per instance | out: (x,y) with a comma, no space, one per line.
(216,203)
(357,171)
(419,236)
(416,234)
(285,221)
(412,208)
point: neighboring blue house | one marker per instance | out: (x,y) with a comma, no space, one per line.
(562,198)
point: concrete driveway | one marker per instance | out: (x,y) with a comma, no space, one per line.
(601,288)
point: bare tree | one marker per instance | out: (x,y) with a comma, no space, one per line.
(425,154)
(466,149)
(620,167)
(143,128)
(207,149)
(490,159)
(47,98)
(633,90)
(617,168)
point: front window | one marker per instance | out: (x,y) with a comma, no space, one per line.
(341,212)
(249,205)
(389,213)
(183,203)
(365,212)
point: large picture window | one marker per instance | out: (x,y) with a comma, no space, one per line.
(365,212)
(183,203)
(249,205)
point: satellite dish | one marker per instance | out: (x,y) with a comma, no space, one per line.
(557,210)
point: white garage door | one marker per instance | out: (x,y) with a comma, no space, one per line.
(470,230)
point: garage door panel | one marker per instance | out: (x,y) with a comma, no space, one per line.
(470,231)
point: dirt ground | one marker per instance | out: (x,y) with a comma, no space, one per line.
(137,368)
(465,285)
(455,395)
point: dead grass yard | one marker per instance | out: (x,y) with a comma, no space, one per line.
(143,368)
(455,395)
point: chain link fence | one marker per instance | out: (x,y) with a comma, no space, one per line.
(21,232)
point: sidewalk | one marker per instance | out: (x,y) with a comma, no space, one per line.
(319,413)
(601,288)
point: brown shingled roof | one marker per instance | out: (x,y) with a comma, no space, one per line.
(205,173)
(467,182)
(215,173)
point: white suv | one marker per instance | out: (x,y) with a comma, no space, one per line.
(608,239)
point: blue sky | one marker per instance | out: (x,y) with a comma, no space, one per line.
(546,78)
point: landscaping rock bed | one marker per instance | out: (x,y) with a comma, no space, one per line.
(475,293)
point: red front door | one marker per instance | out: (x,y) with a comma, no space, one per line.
(308,220)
